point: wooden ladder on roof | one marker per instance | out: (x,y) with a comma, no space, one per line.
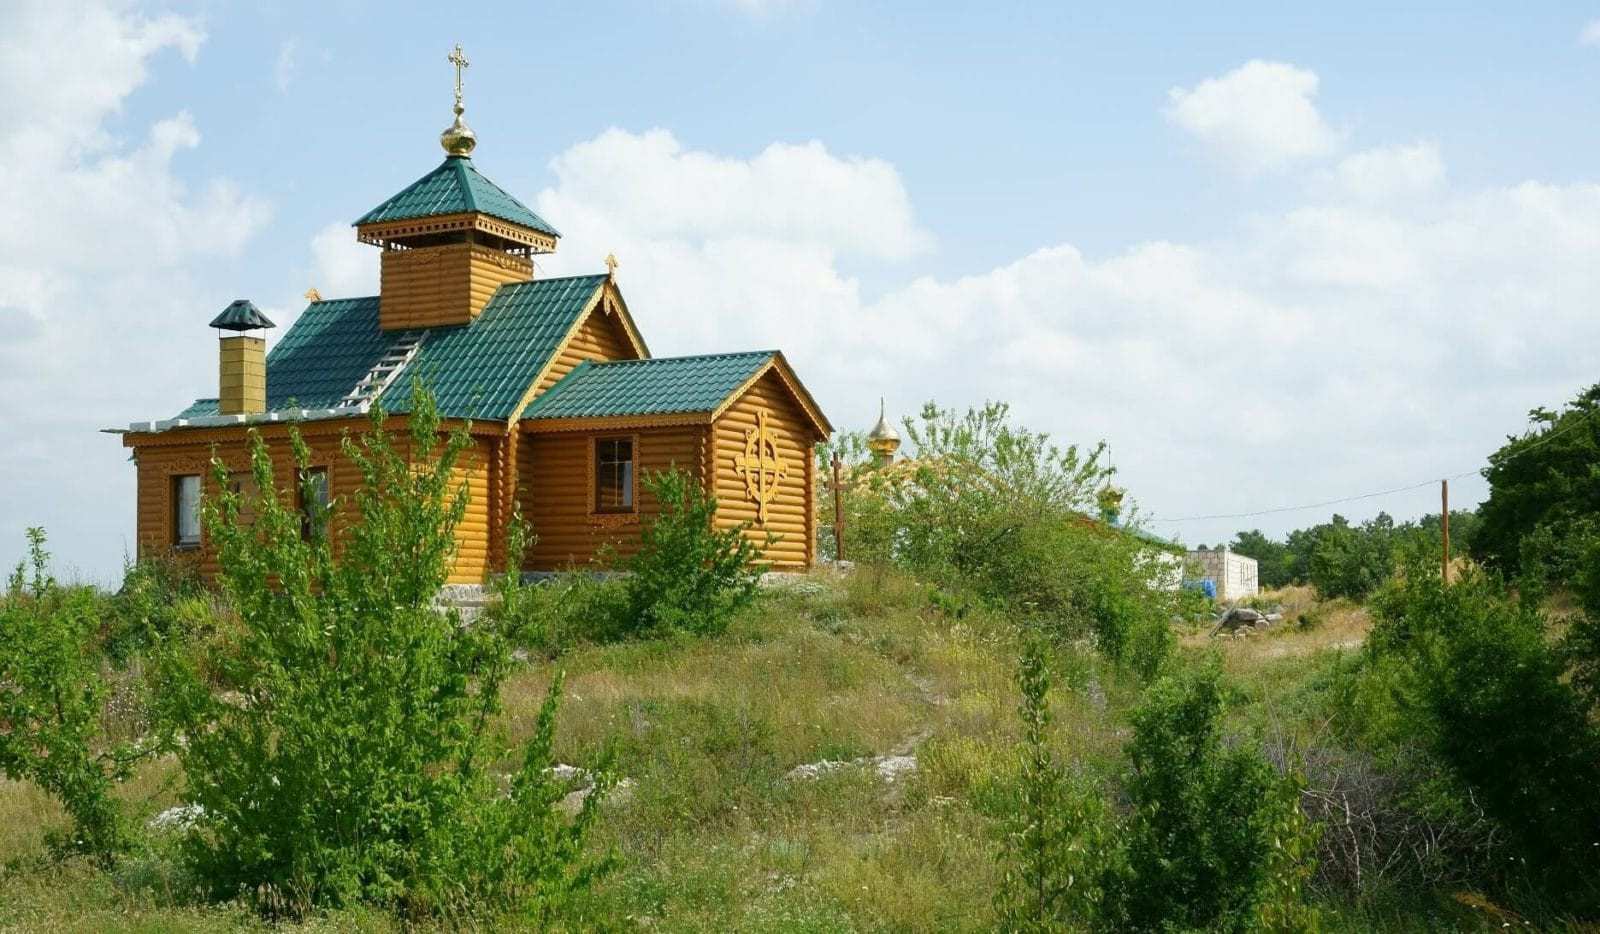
(384,372)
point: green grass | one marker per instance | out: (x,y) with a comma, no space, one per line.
(713,834)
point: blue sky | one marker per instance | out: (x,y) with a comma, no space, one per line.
(1273,255)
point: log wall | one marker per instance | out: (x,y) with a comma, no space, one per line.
(443,285)
(600,337)
(791,514)
(556,490)
(159,463)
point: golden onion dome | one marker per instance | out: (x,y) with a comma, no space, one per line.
(883,436)
(458,139)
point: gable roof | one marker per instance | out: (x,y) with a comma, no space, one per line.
(680,389)
(657,386)
(477,370)
(484,369)
(455,187)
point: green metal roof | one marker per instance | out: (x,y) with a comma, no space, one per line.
(328,348)
(477,370)
(657,386)
(482,370)
(455,187)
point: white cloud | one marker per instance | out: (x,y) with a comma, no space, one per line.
(1357,342)
(1390,173)
(1259,117)
(1591,33)
(341,265)
(284,65)
(97,237)
(793,193)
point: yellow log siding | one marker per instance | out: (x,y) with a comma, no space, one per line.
(556,490)
(791,513)
(600,337)
(443,285)
(165,456)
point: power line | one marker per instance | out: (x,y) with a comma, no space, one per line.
(1403,489)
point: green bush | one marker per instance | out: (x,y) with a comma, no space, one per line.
(161,596)
(1205,838)
(995,514)
(1479,679)
(687,575)
(1056,854)
(53,695)
(340,738)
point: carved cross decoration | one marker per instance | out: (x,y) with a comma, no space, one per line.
(761,465)
(460,61)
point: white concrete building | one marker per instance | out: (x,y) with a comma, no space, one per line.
(1234,575)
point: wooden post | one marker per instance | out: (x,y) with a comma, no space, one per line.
(1444,524)
(838,512)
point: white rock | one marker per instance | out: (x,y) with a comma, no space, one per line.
(181,817)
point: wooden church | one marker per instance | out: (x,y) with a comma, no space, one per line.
(566,408)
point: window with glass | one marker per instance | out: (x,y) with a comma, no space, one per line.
(313,502)
(613,474)
(186,511)
(242,483)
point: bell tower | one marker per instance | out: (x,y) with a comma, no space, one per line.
(451,238)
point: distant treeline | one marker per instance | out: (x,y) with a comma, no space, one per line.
(1341,559)
(1541,519)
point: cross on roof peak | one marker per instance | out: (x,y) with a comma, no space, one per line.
(460,61)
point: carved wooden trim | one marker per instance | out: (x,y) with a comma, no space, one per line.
(381,234)
(761,465)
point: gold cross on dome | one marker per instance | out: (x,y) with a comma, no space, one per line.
(460,61)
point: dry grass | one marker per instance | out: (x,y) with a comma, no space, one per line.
(714,834)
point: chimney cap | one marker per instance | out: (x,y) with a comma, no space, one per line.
(241,315)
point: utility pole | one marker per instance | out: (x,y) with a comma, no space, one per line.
(1444,525)
(838,512)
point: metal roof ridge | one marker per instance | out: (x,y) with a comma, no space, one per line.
(701,356)
(461,164)
(571,377)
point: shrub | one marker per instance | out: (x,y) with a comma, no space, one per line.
(1208,826)
(52,698)
(1055,856)
(161,596)
(994,513)
(688,575)
(348,751)
(1478,680)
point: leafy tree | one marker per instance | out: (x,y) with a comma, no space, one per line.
(52,699)
(1300,543)
(1273,559)
(1544,495)
(338,735)
(1352,561)
(978,483)
(688,575)
(1208,820)
(994,512)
